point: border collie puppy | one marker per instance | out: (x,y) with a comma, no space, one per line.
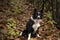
(32,25)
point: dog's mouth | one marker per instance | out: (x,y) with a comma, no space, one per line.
(37,20)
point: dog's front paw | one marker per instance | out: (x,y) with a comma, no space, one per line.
(20,33)
(38,35)
(29,38)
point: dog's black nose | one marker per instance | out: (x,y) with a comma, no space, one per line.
(38,17)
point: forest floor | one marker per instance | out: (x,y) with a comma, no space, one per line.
(47,32)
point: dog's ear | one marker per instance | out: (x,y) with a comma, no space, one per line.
(41,11)
(35,10)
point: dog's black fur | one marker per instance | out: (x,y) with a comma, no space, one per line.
(30,23)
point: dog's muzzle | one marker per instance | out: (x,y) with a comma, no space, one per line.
(38,17)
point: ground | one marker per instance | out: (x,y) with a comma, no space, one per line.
(47,31)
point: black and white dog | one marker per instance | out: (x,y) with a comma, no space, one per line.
(33,25)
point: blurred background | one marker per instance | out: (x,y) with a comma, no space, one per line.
(15,13)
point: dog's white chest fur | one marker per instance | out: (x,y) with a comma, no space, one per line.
(35,26)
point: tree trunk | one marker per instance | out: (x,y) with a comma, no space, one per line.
(57,14)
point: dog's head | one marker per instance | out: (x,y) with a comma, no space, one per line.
(37,14)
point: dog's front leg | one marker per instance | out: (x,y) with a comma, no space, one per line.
(29,36)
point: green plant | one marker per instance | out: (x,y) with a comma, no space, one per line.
(12,27)
(15,6)
(52,22)
(48,16)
